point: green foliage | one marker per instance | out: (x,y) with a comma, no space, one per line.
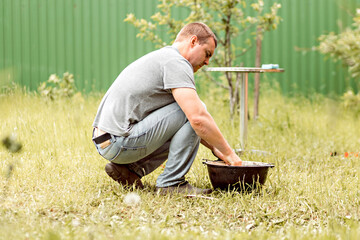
(344,46)
(11,144)
(57,87)
(227,19)
(351,101)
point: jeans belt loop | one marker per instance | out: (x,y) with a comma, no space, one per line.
(113,138)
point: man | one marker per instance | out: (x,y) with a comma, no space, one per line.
(152,113)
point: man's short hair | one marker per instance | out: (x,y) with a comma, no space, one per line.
(201,30)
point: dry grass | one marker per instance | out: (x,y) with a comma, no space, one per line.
(57,188)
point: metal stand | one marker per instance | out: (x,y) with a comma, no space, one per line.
(243,109)
(243,95)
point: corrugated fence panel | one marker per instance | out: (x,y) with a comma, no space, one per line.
(90,39)
(85,37)
(303,22)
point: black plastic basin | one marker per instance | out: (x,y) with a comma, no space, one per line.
(247,177)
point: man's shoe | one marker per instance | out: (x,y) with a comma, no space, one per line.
(184,188)
(121,174)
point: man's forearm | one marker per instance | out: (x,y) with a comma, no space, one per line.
(215,141)
(206,144)
(206,128)
(204,125)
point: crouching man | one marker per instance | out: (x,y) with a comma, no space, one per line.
(152,113)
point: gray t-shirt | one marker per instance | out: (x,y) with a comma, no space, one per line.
(141,88)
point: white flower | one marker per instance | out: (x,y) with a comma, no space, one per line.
(75,222)
(132,199)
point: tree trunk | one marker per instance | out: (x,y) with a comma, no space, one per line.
(232,101)
(257,75)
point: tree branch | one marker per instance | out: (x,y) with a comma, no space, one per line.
(245,51)
(216,82)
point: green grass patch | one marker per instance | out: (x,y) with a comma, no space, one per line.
(56,187)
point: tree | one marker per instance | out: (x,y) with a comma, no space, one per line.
(344,46)
(257,75)
(228,20)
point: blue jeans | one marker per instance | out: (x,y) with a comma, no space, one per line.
(164,134)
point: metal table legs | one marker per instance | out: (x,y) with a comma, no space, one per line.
(243,110)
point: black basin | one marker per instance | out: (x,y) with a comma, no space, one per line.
(240,178)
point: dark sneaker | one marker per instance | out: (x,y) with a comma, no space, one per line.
(121,174)
(184,188)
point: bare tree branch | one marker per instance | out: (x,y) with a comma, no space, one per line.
(244,51)
(214,80)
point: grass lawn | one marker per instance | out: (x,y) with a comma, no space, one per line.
(56,187)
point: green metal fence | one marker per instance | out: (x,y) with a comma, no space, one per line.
(303,22)
(89,39)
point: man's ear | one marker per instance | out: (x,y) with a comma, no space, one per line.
(193,40)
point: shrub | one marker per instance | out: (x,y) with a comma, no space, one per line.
(351,101)
(344,46)
(56,87)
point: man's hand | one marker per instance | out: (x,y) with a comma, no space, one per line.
(232,159)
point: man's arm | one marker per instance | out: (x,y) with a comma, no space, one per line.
(204,125)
